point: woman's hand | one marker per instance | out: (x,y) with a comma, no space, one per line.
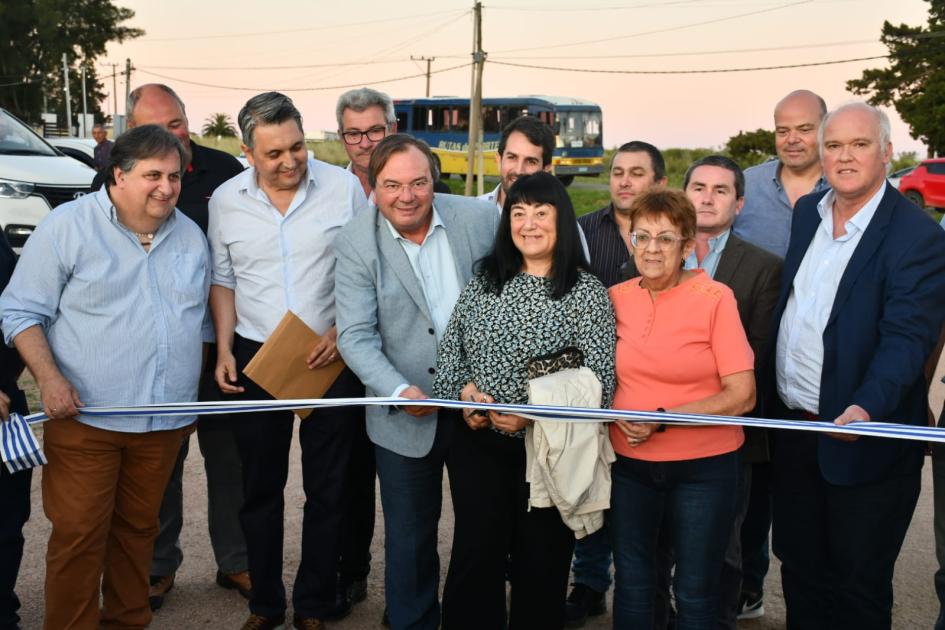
(637,432)
(475,418)
(508,422)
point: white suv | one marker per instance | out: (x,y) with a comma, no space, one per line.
(34,179)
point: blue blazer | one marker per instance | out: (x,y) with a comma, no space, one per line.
(885,322)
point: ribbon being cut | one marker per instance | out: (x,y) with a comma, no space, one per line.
(20,449)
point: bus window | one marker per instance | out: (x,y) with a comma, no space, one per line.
(459,119)
(437,118)
(579,129)
(419,119)
(490,119)
(402,122)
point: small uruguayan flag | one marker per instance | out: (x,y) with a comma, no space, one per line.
(18,446)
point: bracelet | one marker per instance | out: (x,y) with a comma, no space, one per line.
(662,427)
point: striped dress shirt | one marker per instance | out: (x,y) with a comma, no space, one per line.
(607,248)
(126,326)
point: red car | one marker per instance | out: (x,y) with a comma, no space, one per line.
(925,186)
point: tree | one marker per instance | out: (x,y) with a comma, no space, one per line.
(33,36)
(914,82)
(219,125)
(751,147)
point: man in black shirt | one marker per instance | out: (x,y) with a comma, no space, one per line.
(635,168)
(157,104)
(14,487)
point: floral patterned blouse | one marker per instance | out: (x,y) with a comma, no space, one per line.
(490,338)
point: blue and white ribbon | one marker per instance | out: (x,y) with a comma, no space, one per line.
(18,446)
(535,412)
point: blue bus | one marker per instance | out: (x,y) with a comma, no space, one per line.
(443,122)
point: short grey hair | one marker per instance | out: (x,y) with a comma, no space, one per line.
(98,126)
(142,143)
(882,121)
(268,108)
(135,95)
(362,98)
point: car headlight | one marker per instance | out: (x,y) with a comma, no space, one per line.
(10,189)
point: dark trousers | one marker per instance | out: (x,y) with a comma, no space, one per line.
(412,495)
(15,490)
(496,535)
(837,544)
(264,440)
(699,498)
(355,561)
(224,491)
(756,530)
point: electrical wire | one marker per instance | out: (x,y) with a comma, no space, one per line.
(297,30)
(706,71)
(309,89)
(657,31)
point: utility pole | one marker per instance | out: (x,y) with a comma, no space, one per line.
(65,75)
(114,95)
(475,104)
(85,107)
(429,60)
(127,80)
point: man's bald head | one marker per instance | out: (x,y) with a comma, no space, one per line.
(157,104)
(802,98)
(797,117)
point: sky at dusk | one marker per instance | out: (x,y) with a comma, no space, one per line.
(313,49)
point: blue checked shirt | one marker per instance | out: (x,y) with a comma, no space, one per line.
(125,326)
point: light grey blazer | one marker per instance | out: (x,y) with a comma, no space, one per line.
(385,332)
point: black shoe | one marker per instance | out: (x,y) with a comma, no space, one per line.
(357,591)
(583,602)
(342,607)
(159,587)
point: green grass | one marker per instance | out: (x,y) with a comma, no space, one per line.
(329,151)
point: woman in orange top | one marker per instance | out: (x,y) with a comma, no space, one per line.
(680,347)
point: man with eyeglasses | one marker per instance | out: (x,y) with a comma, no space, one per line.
(365,117)
(272,231)
(400,269)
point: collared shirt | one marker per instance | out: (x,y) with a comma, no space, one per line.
(765,219)
(711,261)
(800,349)
(350,169)
(208,169)
(608,248)
(277,263)
(101,153)
(943,221)
(126,326)
(434,266)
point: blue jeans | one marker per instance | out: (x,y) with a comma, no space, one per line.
(699,498)
(592,561)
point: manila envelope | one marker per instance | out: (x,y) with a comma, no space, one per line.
(279,366)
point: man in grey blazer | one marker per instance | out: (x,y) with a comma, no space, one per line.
(400,268)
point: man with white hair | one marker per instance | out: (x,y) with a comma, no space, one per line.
(861,305)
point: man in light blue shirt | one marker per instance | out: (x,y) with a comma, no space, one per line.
(108,307)
(772,188)
(272,230)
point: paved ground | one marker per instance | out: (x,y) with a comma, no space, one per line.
(196,602)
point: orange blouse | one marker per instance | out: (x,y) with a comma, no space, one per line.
(672,351)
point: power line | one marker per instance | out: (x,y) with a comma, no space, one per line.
(309,89)
(626,7)
(299,30)
(654,32)
(302,67)
(707,71)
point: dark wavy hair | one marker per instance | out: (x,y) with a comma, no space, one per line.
(504,261)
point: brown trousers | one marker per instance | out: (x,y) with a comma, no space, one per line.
(102,491)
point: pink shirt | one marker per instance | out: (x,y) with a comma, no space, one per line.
(672,351)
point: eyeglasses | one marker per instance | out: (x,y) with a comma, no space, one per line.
(416,186)
(663,241)
(374,134)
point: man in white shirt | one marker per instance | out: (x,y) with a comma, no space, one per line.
(861,306)
(271,233)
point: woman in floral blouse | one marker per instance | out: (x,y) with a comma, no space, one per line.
(531,298)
